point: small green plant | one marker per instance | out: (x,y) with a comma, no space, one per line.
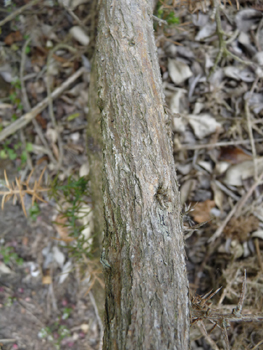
(16,84)
(34,211)
(66,313)
(28,49)
(8,255)
(10,5)
(14,151)
(9,301)
(71,198)
(167,14)
(14,96)
(55,333)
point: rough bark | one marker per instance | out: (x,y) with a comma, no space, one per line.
(94,147)
(146,285)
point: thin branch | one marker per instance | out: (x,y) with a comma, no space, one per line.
(249,126)
(257,345)
(236,209)
(223,51)
(98,319)
(246,195)
(71,12)
(50,102)
(27,106)
(223,225)
(159,20)
(237,311)
(210,341)
(7,341)
(224,324)
(218,144)
(28,117)
(18,12)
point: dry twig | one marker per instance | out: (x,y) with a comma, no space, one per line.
(18,12)
(28,117)
(19,189)
(202,311)
(236,209)
(218,144)
(27,106)
(50,101)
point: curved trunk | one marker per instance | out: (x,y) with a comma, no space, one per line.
(145,274)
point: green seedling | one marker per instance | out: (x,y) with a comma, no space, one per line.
(34,211)
(66,313)
(73,116)
(72,196)
(9,301)
(28,50)
(14,96)
(167,15)
(54,334)
(9,256)
(14,151)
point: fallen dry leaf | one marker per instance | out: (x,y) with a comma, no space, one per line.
(41,121)
(201,212)
(237,173)
(46,279)
(13,37)
(239,228)
(42,159)
(233,155)
(62,230)
(203,125)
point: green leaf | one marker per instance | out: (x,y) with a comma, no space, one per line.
(34,211)
(3,154)
(73,116)
(171,19)
(19,261)
(11,154)
(17,145)
(28,49)
(12,97)
(160,13)
(23,157)
(29,147)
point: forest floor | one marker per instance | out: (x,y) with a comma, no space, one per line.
(212,69)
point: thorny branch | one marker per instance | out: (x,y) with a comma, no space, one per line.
(20,188)
(202,310)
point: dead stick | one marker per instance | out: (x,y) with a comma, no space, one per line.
(28,117)
(236,209)
(18,12)
(218,144)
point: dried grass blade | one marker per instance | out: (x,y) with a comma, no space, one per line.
(6,180)
(21,195)
(41,175)
(29,177)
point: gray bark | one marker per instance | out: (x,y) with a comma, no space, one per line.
(94,147)
(146,285)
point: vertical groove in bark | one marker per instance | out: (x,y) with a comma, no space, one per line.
(94,146)
(146,287)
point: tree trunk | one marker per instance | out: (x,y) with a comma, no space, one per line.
(145,274)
